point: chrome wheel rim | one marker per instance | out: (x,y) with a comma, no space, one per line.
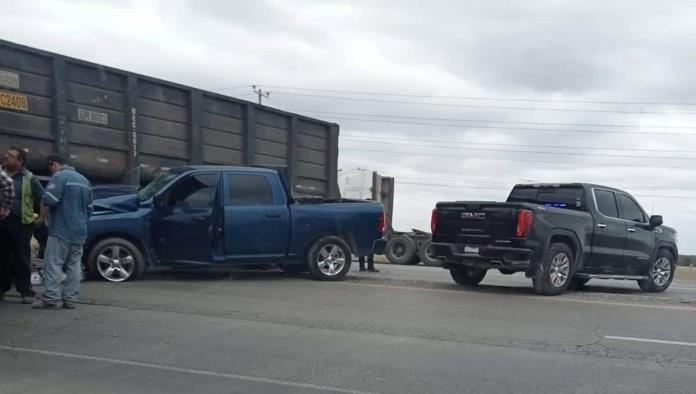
(661,271)
(560,270)
(331,259)
(115,263)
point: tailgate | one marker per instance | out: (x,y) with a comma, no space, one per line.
(479,223)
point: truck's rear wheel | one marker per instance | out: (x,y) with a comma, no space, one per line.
(467,276)
(329,258)
(661,273)
(426,255)
(115,260)
(555,271)
(401,250)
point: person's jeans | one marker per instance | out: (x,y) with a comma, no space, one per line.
(15,259)
(61,256)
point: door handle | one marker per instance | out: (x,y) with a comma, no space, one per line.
(198,219)
(274,215)
(631,230)
(602,225)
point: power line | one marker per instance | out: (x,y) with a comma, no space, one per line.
(301,110)
(393,138)
(460,126)
(508,189)
(557,162)
(232,88)
(518,151)
(484,106)
(459,181)
(481,98)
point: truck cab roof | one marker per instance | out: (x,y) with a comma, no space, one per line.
(575,184)
(187,168)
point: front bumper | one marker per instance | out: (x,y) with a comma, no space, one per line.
(488,256)
(379,246)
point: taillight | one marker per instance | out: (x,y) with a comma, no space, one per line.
(380,223)
(433,221)
(524,223)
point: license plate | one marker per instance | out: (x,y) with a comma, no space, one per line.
(471,249)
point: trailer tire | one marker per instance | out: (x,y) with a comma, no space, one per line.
(425,253)
(401,250)
(329,259)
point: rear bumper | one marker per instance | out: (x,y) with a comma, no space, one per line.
(515,259)
(379,246)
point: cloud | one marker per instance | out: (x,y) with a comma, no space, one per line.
(639,51)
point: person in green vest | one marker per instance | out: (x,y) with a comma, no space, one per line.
(17,228)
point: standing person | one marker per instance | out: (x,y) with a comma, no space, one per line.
(370,263)
(68,204)
(6,194)
(17,228)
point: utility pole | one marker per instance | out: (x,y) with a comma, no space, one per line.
(261,93)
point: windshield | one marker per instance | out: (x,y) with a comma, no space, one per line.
(556,197)
(155,186)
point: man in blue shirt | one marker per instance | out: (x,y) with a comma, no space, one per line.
(17,228)
(67,202)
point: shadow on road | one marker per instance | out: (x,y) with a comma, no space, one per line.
(202,275)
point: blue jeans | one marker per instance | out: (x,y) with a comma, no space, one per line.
(62,256)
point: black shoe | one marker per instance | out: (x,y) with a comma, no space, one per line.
(45,305)
(69,305)
(373,269)
(2,296)
(361,269)
(27,300)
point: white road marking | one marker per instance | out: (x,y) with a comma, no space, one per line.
(169,368)
(647,340)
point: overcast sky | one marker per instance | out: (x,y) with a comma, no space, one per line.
(569,62)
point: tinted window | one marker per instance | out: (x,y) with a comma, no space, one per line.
(630,210)
(606,203)
(196,191)
(557,197)
(249,190)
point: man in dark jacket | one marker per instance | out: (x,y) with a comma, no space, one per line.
(17,228)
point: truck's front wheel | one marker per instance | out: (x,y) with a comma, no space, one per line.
(467,276)
(329,259)
(554,273)
(115,260)
(661,273)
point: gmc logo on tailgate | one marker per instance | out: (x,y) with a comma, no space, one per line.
(474,215)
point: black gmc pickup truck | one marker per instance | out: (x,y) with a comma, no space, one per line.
(560,235)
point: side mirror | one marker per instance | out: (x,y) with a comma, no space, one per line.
(655,221)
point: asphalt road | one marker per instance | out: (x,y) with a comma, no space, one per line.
(403,330)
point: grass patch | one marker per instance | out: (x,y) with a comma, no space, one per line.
(686,273)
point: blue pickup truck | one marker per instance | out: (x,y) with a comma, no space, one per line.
(214,215)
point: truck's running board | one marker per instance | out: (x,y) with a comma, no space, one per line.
(616,277)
